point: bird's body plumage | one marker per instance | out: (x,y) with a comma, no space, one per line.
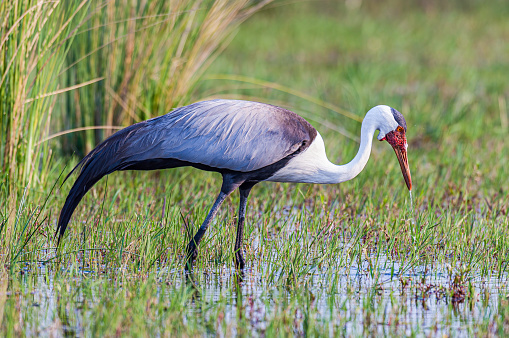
(195,135)
(259,135)
(247,142)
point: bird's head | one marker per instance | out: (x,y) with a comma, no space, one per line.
(392,127)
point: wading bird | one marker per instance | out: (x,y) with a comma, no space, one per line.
(246,142)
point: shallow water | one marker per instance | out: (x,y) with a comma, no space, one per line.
(353,304)
(383,299)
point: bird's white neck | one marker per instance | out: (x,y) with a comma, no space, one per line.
(312,165)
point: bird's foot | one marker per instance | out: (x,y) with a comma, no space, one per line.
(239,260)
(192,253)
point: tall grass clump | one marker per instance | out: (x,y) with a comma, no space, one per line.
(150,54)
(34,38)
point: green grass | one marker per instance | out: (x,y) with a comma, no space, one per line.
(351,259)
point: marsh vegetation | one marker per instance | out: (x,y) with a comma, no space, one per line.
(353,259)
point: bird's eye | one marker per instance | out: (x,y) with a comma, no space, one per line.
(400,129)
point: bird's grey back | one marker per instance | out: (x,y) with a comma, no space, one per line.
(228,134)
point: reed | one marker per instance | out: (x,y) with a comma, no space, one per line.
(34,39)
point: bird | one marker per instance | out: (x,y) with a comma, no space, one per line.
(246,142)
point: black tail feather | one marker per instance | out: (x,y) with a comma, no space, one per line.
(90,174)
(109,156)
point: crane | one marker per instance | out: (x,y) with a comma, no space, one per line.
(246,142)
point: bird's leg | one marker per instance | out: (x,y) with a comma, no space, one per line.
(192,251)
(244,193)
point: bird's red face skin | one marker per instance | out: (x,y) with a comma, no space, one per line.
(397,139)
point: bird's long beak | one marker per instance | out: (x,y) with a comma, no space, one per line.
(401,154)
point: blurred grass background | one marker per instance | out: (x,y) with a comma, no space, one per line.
(442,64)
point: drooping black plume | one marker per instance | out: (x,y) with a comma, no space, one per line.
(103,160)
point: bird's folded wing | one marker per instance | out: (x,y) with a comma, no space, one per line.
(227,134)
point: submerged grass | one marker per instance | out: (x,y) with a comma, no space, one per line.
(353,259)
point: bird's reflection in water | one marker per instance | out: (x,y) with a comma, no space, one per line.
(68,325)
(192,284)
(238,280)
